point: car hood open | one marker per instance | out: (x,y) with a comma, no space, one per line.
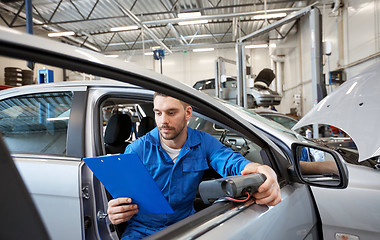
(353,107)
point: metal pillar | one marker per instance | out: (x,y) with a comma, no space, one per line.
(318,84)
(29,16)
(218,73)
(241,75)
(29,27)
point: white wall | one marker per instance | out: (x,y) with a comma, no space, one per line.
(191,66)
(354,35)
(361,32)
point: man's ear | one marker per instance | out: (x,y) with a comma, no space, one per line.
(189,112)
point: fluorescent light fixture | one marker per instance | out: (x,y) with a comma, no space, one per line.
(124,28)
(189,14)
(272,45)
(269,16)
(203,49)
(193,22)
(257,46)
(61,34)
(148,53)
(112,56)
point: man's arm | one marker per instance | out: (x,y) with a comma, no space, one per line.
(269,192)
(120,210)
(325,167)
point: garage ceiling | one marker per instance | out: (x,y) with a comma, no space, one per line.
(157,22)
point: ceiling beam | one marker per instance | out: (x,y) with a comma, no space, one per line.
(219,16)
(50,28)
(287,19)
(137,21)
(173,20)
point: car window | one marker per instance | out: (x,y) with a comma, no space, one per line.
(210,84)
(230,83)
(36,123)
(284,121)
(246,147)
(122,121)
(199,85)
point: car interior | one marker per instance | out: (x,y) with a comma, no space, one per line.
(124,120)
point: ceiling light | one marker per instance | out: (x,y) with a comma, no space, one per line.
(269,16)
(257,46)
(203,49)
(124,28)
(272,45)
(112,56)
(189,14)
(61,34)
(193,22)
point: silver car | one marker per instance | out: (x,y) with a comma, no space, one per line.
(258,95)
(354,108)
(50,128)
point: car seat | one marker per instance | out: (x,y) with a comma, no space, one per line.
(146,124)
(118,131)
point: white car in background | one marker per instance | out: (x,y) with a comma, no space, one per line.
(258,95)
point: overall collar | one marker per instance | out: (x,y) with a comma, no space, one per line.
(193,139)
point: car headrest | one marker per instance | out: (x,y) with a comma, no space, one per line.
(118,129)
(146,124)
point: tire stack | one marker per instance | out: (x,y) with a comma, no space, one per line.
(13,76)
(27,77)
(16,77)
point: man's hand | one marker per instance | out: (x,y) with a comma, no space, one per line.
(118,213)
(269,192)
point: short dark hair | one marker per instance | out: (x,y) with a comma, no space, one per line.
(159,94)
(164,95)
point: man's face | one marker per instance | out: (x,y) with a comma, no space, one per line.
(171,116)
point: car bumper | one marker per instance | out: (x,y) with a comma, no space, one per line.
(267,101)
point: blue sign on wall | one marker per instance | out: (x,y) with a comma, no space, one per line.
(45,76)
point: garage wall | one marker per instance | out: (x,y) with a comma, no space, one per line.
(191,66)
(7,62)
(361,33)
(351,43)
(354,35)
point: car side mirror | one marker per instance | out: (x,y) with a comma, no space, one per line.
(319,166)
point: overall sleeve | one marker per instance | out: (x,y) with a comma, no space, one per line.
(223,159)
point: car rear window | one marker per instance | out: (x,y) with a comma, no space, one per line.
(36,123)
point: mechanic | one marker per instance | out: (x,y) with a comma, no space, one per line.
(176,156)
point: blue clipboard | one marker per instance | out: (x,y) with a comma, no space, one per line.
(124,175)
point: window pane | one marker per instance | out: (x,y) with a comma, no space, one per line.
(250,150)
(36,123)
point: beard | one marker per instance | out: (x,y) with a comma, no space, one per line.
(174,133)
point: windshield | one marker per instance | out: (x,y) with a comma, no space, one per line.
(269,122)
(284,121)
